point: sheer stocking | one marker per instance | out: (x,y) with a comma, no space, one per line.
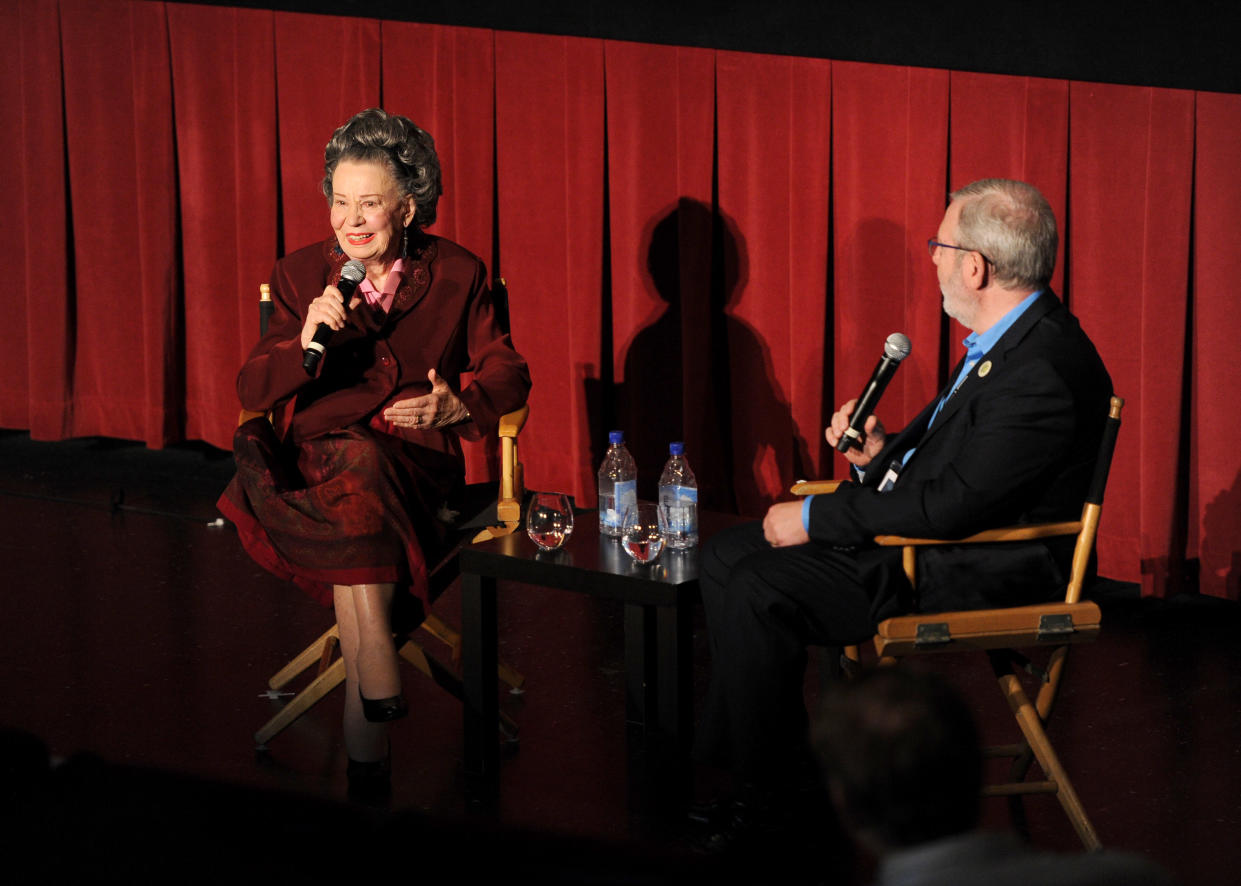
(371,664)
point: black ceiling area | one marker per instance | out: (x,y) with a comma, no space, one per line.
(1190,44)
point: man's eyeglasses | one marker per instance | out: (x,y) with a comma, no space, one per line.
(932,243)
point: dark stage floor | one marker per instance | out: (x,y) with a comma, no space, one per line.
(138,639)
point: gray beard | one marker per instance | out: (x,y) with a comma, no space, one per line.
(959,313)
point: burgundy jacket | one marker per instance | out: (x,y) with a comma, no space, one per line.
(442,316)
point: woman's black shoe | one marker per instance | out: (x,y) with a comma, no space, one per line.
(370,783)
(383,710)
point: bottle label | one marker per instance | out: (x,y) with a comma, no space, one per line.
(624,496)
(680,509)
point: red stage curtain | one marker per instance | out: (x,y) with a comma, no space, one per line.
(661,227)
(702,245)
(36,361)
(126,376)
(327,69)
(549,136)
(1131,169)
(1214,500)
(774,174)
(442,79)
(1013,127)
(890,187)
(224,93)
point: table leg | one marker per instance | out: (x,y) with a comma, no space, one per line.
(675,642)
(481,708)
(659,704)
(640,664)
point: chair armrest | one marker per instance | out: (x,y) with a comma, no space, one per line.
(511,423)
(512,481)
(814,487)
(1007,533)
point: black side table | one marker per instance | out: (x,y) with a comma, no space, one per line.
(658,600)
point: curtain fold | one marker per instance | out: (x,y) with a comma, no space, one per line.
(442,78)
(661,231)
(774,175)
(1131,169)
(1213,505)
(37,362)
(699,245)
(890,190)
(1013,127)
(550,162)
(327,69)
(127,379)
(224,95)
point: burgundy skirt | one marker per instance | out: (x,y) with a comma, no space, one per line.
(356,506)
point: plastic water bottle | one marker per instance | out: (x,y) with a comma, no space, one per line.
(678,501)
(618,484)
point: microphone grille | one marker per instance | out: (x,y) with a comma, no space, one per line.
(897,347)
(353,271)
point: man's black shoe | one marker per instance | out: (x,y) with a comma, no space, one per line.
(711,813)
(735,825)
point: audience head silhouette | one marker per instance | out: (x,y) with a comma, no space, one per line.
(900,753)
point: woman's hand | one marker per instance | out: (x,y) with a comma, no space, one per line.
(873,435)
(328,308)
(438,409)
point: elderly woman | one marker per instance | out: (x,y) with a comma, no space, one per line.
(342,499)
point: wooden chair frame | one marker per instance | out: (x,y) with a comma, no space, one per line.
(999,632)
(330,671)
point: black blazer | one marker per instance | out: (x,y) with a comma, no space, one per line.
(1016,443)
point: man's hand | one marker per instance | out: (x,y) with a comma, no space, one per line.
(873,435)
(782,526)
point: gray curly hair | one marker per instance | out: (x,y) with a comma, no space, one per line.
(375,136)
(1011,224)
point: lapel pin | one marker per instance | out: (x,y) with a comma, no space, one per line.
(984,369)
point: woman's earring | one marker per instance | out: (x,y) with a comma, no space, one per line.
(405,241)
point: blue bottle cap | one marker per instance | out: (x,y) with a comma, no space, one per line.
(677,448)
(615,437)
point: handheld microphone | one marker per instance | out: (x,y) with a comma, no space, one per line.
(895,349)
(353,273)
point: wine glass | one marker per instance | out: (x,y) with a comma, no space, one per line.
(640,536)
(549,520)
